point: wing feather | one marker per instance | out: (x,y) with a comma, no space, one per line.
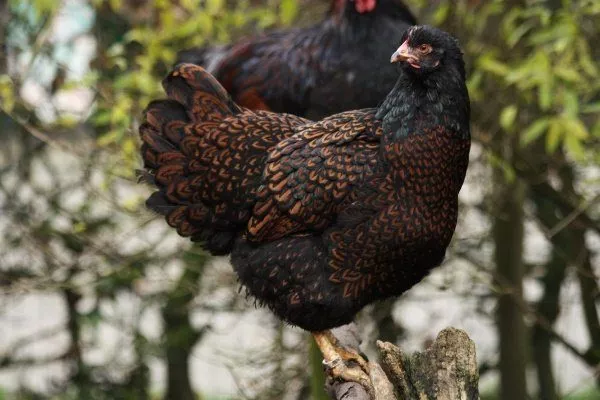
(309,175)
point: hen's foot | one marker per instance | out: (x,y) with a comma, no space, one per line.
(347,354)
(335,358)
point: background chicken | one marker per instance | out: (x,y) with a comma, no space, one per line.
(337,65)
(320,218)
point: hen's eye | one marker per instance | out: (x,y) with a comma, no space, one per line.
(424,49)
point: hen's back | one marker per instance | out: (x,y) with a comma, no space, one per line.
(337,65)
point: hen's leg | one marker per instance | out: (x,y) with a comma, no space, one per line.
(334,356)
(347,354)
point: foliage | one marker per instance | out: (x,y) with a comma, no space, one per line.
(544,55)
(136,59)
(534,82)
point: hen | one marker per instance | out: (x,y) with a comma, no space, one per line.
(320,218)
(337,65)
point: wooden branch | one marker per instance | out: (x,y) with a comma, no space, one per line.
(445,371)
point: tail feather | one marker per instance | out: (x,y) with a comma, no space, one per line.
(158,203)
(171,139)
(200,93)
(206,156)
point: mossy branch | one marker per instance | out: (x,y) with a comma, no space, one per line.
(445,371)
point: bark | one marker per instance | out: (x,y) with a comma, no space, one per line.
(445,371)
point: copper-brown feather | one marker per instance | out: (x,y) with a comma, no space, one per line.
(309,174)
(207,156)
(320,218)
(338,64)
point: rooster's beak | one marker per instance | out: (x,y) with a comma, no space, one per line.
(403,54)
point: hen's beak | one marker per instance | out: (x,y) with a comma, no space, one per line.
(403,54)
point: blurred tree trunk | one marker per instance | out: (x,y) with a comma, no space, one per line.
(508,220)
(548,307)
(387,328)
(580,257)
(78,370)
(180,336)
(4,18)
(569,249)
(508,238)
(589,293)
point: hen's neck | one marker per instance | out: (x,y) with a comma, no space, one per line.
(418,104)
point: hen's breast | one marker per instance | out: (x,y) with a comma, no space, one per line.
(429,166)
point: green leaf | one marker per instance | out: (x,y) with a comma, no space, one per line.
(115,4)
(570,103)
(7,94)
(441,13)
(214,6)
(568,74)
(516,34)
(288,11)
(204,21)
(534,131)
(574,127)
(574,147)
(508,116)
(592,108)
(489,63)
(596,129)
(553,137)
(545,94)
(109,138)
(585,58)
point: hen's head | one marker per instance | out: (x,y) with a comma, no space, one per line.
(364,6)
(426,49)
(368,6)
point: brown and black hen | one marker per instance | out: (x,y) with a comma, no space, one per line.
(320,218)
(337,65)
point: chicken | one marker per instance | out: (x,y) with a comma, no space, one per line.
(337,65)
(320,218)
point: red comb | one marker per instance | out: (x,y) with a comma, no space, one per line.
(365,6)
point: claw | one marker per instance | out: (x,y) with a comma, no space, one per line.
(335,358)
(332,364)
(347,354)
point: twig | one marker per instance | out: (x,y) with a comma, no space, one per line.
(572,217)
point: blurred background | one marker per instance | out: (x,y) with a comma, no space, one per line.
(101,300)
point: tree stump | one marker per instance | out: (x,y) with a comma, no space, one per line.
(445,371)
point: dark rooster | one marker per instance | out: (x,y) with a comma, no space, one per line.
(320,218)
(337,65)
